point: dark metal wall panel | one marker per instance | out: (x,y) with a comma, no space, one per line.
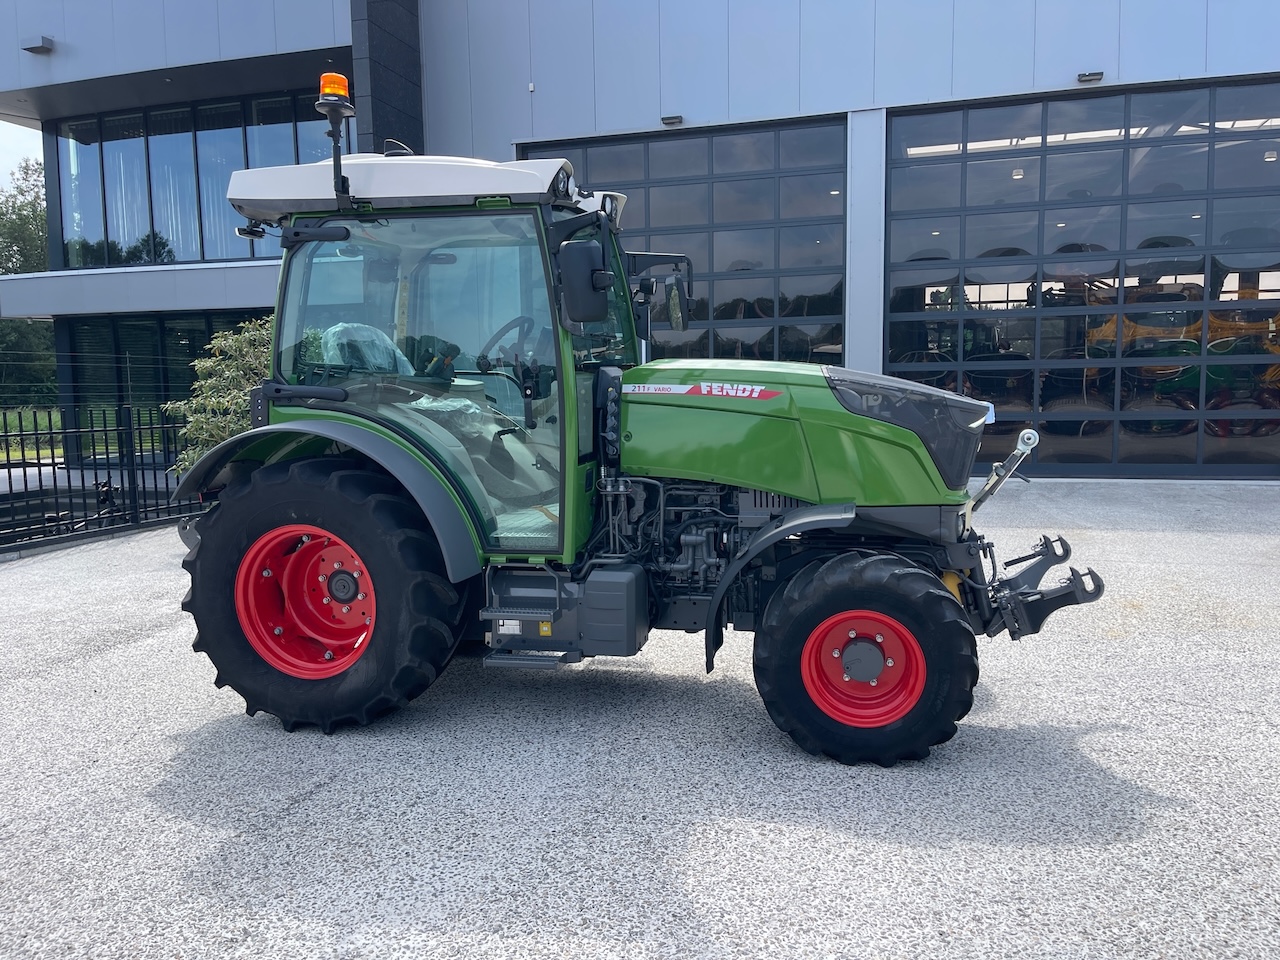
(387,73)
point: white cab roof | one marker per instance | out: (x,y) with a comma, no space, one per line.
(270,194)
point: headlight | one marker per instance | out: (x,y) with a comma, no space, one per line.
(949,425)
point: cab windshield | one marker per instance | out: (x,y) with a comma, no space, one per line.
(443,326)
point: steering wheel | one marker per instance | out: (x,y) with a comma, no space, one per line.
(522,325)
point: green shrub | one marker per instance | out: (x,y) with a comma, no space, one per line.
(218,408)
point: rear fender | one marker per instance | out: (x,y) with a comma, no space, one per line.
(451,525)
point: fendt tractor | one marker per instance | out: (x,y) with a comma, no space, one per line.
(461,443)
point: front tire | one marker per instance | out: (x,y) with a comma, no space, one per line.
(866,657)
(319,594)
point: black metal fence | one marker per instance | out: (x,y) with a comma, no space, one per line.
(80,472)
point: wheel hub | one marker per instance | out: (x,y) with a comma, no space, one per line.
(862,660)
(342,587)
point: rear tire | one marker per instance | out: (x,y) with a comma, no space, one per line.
(319,594)
(911,662)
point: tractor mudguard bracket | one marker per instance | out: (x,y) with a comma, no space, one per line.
(834,516)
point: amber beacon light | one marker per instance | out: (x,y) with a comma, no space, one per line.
(334,85)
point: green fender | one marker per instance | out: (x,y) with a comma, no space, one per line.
(438,503)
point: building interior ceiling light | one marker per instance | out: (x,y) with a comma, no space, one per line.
(1017,173)
(1269,156)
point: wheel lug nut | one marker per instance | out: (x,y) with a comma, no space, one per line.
(322,578)
(359,596)
(346,609)
(879,638)
(306,538)
(325,600)
(889,662)
(337,564)
(355,573)
(328,654)
(873,683)
(836,652)
(266,573)
(368,620)
(846,678)
(278,630)
(853,634)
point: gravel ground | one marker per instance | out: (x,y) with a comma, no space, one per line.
(1112,794)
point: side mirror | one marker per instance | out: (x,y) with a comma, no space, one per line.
(585,280)
(671,305)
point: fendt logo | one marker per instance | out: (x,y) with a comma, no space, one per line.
(751,390)
(707,388)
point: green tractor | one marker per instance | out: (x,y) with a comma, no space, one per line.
(460,444)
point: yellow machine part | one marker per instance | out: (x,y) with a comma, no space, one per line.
(951,580)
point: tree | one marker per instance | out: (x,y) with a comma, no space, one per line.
(24,229)
(26,348)
(218,408)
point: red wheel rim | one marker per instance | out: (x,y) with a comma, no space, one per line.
(305,601)
(863,669)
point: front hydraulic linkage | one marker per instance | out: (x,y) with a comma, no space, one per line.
(1021,607)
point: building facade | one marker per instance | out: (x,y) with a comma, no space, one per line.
(1070,208)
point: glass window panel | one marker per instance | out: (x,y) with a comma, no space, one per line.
(676,206)
(1083,176)
(219,153)
(811,146)
(813,195)
(679,343)
(811,342)
(124,166)
(1242,442)
(634,210)
(930,349)
(1078,336)
(743,299)
(1246,221)
(811,296)
(1168,113)
(1168,277)
(1169,169)
(745,343)
(1081,283)
(614,163)
(736,200)
(743,152)
(93,361)
(1076,441)
(743,250)
(1246,163)
(140,354)
(1255,107)
(1094,120)
(270,132)
(313,133)
(1249,282)
(1000,287)
(927,238)
(1082,229)
(678,158)
(1001,234)
(80,186)
(924,135)
(176,230)
(1005,128)
(1002,181)
(924,186)
(913,291)
(1164,333)
(817,245)
(1177,223)
(1171,439)
(1000,337)
(679,205)
(185,338)
(695,246)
